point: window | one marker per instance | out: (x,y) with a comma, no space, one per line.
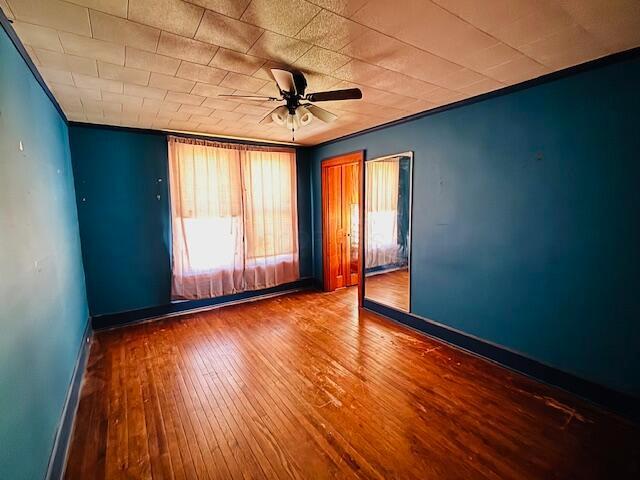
(234,218)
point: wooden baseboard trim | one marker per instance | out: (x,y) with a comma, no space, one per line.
(58,457)
(621,403)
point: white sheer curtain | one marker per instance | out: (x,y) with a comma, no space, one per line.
(382,184)
(234,218)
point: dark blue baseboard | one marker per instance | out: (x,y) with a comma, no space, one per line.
(132,316)
(618,402)
(57,460)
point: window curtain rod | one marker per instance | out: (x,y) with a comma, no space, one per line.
(229,145)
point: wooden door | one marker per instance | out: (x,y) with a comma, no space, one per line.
(341,212)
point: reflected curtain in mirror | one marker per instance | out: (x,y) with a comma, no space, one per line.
(233,216)
(382,213)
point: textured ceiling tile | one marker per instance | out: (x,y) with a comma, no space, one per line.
(420,106)
(518,70)
(200,73)
(91,48)
(112,119)
(144,92)
(359,72)
(183,125)
(230,8)
(565,48)
(167,82)
(490,14)
(73,107)
(446,35)
(539,24)
(84,81)
(441,96)
(95,117)
(227,115)
(7,11)
(461,78)
(172,115)
(37,36)
(125,74)
(252,119)
(279,48)
(227,32)
(152,105)
(114,7)
(392,18)
(68,91)
(377,77)
(615,23)
(207,90)
(61,77)
(203,119)
(32,55)
(150,61)
(125,100)
(330,31)
(185,48)
(186,98)
(283,16)
(92,107)
(160,124)
(220,104)
(195,110)
(236,62)
(62,61)
(346,8)
(174,16)
(387,52)
(53,13)
(118,30)
(264,72)
(489,57)
(269,90)
(317,82)
(483,86)
(252,109)
(321,60)
(242,82)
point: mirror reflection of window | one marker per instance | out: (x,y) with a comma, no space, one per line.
(387,219)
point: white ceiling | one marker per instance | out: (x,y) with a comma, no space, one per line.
(160,64)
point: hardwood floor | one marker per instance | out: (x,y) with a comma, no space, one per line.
(390,288)
(305,386)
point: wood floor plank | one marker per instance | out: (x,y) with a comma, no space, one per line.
(307,386)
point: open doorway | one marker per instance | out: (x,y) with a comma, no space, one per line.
(342,220)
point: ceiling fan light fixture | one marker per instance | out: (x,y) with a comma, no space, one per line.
(305,116)
(279,115)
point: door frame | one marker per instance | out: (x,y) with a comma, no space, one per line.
(345,158)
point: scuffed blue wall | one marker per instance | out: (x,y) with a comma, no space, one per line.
(526,219)
(43,306)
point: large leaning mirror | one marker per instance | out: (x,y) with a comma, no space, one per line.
(387,235)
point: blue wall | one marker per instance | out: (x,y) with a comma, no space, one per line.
(526,220)
(125,227)
(43,307)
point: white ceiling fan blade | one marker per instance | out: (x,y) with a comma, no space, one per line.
(321,113)
(285,80)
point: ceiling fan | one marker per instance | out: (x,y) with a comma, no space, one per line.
(298,111)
